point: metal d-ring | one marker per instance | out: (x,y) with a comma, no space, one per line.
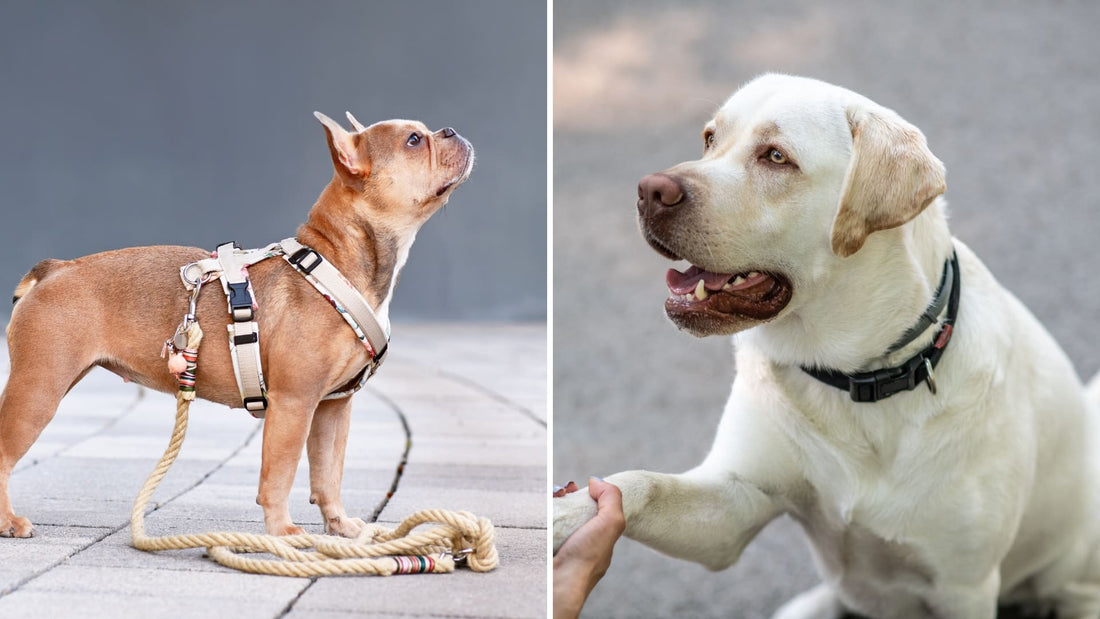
(931,378)
(185,271)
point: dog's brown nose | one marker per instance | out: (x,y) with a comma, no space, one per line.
(448,132)
(658,190)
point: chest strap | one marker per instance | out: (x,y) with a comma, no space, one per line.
(338,291)
(244,330)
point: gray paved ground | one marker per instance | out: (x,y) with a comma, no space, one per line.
(473,399)
(1008,95)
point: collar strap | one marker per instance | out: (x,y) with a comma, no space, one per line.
(327,279)
(932,312)
(881,384)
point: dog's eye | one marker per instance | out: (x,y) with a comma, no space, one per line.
(775,156)
(413,140)
(708,140)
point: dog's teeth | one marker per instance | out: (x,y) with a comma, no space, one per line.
(752,274)
(701,291)
(737,281)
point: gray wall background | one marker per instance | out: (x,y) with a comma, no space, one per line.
(135,123)
(1008,94)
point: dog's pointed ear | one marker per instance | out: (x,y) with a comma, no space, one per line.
(359,128)
(891,178)
(349,154)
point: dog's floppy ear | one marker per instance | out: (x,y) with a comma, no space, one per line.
(891,178)
(359,128)
(348,154)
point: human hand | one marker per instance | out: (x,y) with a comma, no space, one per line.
(584,557)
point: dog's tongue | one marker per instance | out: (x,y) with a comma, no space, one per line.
(683,283)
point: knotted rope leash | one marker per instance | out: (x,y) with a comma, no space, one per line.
(376,551)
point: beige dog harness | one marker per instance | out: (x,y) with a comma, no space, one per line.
(230,264)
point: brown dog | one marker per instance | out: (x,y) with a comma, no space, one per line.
(114,310)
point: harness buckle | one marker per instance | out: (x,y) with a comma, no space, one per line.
(255,405)
(300,257)
(240,302)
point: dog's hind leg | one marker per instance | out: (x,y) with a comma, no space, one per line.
(40,376)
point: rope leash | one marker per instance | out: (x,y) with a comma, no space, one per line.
(377,550)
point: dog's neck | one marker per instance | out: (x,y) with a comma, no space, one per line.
(853,316)
(368,254)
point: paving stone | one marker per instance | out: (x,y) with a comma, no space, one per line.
(477,477)
(471,448)
(157,603)
(515,589)
(23,558)
(514,509)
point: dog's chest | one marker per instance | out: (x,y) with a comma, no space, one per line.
(873,530)
(868,513)
(874,575)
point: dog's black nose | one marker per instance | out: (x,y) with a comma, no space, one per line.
(448,132)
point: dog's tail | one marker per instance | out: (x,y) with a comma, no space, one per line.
(35,275)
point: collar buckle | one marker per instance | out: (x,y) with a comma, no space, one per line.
(881,384)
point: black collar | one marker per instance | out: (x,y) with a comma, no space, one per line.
(881,384)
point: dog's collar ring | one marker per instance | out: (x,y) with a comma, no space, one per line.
(931,378)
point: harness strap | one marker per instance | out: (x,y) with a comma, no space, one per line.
(231,263)
(244,331)
(342,295)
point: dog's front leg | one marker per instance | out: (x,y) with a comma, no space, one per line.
(704,515)
(286,426)
(328,439)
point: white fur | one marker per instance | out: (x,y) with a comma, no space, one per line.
(382,312)
(920,505)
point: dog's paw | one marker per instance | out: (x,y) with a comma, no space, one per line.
(570,512)
(345,527)
(14,526)
(290,529)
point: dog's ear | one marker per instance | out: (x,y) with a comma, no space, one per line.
(359,128)
(349,154)
(891,178)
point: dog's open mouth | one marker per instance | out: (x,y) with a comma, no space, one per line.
(752,294)
(710,303)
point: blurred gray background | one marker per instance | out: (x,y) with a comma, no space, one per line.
(135,123)
(1008,95)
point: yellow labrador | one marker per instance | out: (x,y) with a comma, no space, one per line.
(925,430)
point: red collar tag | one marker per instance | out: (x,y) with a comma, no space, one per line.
(945,336)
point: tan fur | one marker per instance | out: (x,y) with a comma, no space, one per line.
(891,179)
(39,271)
(114,310)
